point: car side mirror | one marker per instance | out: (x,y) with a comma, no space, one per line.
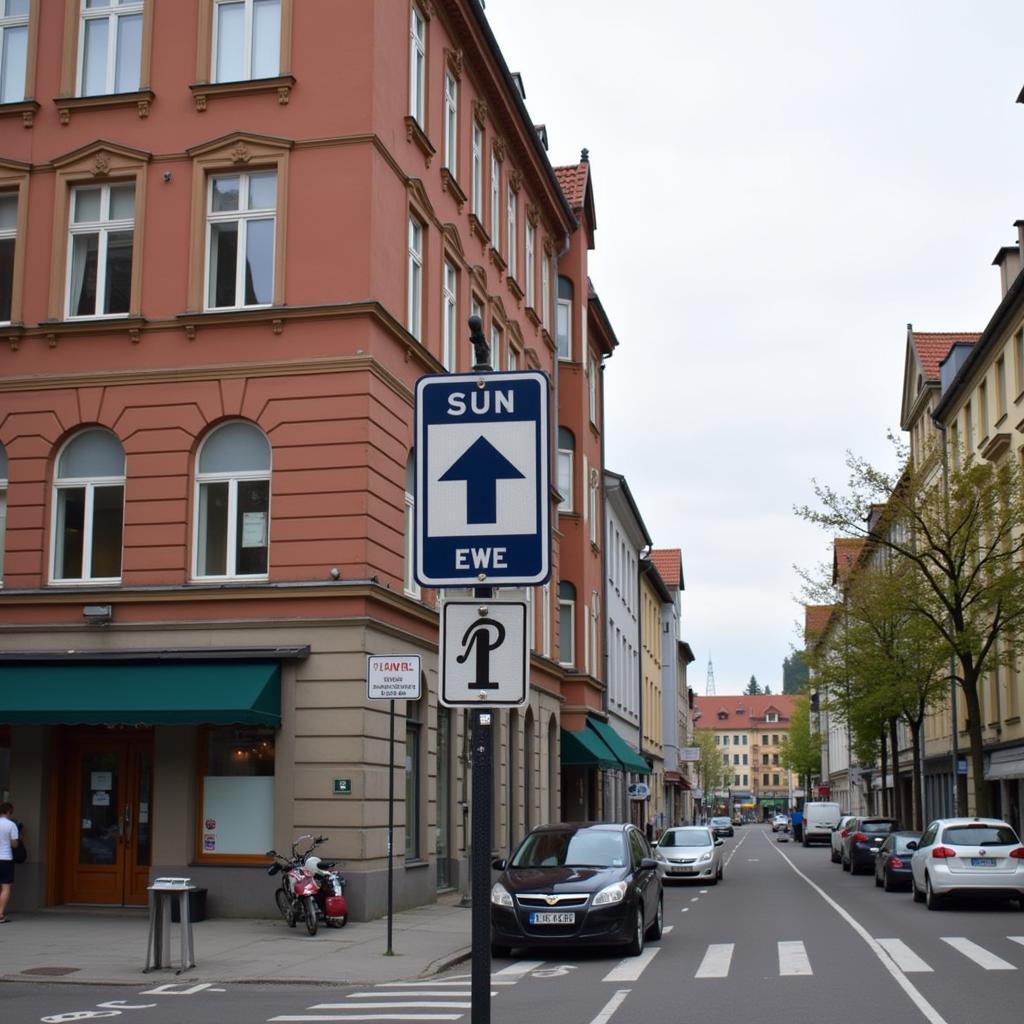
(648,864)
(719,842)
(499,864)
(912,845)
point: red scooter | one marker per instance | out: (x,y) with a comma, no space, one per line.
(311,888)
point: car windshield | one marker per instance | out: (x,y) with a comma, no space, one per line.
(582,849)
(900,843)
(979,835)
(686,837)
(876,828)
(721,821)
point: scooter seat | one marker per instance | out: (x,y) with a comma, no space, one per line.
(326,865)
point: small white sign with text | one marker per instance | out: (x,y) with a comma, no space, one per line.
(393,677)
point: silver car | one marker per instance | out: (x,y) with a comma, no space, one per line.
(838,835)
(980,855)
(691,851)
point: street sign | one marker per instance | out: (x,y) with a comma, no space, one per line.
(689,755)
(393,677)
(482,480)
(484,660)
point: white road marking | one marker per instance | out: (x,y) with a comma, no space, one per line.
(667,929)
(519,968)
(1016,938)
(414,993)
(754,860)
(611,1006)
(369,1016)
(693,899)
(981,956)
(903,956)
(716,961)
(703,892)
(793,959)
(927,1010)
(632,967)
(735,849)
(431,984)
(393,1006)
(684,910)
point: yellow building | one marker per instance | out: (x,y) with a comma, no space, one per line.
(653,594)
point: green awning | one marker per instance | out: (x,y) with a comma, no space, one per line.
(182,693)
(630,759)
(585,749)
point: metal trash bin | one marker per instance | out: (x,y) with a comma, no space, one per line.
(196,907)
(163,894)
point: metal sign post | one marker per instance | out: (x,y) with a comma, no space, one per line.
(391,677)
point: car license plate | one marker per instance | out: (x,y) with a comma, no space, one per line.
(549,917)
(682,871)
(983,862)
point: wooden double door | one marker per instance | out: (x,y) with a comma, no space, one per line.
(108,816)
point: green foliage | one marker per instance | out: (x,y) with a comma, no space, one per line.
(800,750)
(753,688)
(795,673)
(710,769)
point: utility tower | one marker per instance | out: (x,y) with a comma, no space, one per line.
(709,690)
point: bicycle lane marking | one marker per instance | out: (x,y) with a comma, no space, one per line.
(927,1010)
(735,849)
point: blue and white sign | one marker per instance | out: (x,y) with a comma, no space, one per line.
(482,480)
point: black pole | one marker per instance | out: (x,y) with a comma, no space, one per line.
(480,868)
(391,824)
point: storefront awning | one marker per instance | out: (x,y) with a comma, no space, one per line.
(1005,764)
(585,749)
(187,693)
(630,759)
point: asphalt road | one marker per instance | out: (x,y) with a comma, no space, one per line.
(788,937)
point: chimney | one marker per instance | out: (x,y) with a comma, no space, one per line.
(1008,260)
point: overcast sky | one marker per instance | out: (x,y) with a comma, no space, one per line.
(780,188)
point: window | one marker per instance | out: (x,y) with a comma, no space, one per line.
(545,619)
(566,623)
(983,409)
(775,779)
(513,359)
(417,65)
(449,303)
(495,202)
(13,49)
(566,450)
(595,497)
(241,224)
(745,782)
(110,47)
(746,739)
(772,716)
(775,737)
(745,761)
(592,371)
(735,758)
(764,738)
(1001,386)
(765,779)
(246,39)
(237,790)
(413,740)
(512,239)
(495,346)
(412,588)
(531,264)
(414,312)
(725,741)
(478,172)
(764,759)
(735,780)
(725,759)
(451,124)
(969,428)
(736,739)
(1018,356)
(100,247)
(545,294)
(718,740)
(775,758)
(3,508)
(88,508)
(8,238)
(563,318)
(232,521)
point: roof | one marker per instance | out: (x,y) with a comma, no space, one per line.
(816,618)
(573,181)
(932,347)
(845,552)
(669,563)
(740,710)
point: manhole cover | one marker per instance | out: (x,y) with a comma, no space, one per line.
(53,972)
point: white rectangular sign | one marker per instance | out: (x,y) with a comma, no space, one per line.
(393,677)
(484,660)
(690,755)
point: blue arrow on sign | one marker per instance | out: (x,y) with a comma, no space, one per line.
(482,466)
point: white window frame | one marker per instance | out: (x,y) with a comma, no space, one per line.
(564,471)
(10,234)
(592,370)
(495,202)
(512,359)
(414,281)
(545,294)
(113,14)
(586,487)
(511,230)
(247,41)
(103,228)
(451,124)
(449,315)
(496,333)
(417,65)
(545,625)
(477,187)
(570,646)
(564,306)
(530,264)
(243,215)
(3,509)
(594,510)
(412,588)
(8,22)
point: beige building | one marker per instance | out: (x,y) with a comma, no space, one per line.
(653,594)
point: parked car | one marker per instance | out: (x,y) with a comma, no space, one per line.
(780,821)
(837,837)
(820,817)
(967,855)
(721,827)
(583,883)
(863,840)
(737,819)
(688,852)
(892,865)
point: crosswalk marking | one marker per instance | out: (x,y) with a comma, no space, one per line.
(716,961)
(611,1006)
(793,959)
(416,994)
(981,956)
(632,967)
(1016,938)
(903,956)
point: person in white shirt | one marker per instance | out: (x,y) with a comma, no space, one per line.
(8,841)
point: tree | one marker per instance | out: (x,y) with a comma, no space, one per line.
(767,691)
(800,750)
(795,672)
(959,524)
(753,688)
(710,767)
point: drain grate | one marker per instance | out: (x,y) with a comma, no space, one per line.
(51,972)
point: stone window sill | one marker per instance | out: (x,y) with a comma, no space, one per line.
(67,105)
(203,92)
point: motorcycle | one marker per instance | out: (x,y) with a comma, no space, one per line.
(311,889)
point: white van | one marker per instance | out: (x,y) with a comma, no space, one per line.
(820,818)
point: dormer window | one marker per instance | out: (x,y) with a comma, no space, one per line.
(772,716)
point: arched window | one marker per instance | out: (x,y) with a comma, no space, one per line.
(566,623)
(566,454)
(232,531)
(88,508)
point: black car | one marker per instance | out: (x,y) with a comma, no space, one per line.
(584,882)
(863,839)
(721,827)
(892,865)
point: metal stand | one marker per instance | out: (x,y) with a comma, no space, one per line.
(391,827)
(158,947)
(480,866)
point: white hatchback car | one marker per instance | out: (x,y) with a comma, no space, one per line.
(691,851)
(837,837)
(980,855)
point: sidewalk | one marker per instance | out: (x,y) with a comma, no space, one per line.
(95,946)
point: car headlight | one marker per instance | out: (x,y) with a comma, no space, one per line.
(705,856)
(500,896)
(614,893)
(658,855)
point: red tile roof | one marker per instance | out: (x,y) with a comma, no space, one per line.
(573,181)
(740,710)
(669,563)
(845,552)
(816,618)
(932,348)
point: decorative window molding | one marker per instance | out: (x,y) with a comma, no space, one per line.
(19,33)
(282,78)
(14,182)
(451,186)
(203,92)
(414,133)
